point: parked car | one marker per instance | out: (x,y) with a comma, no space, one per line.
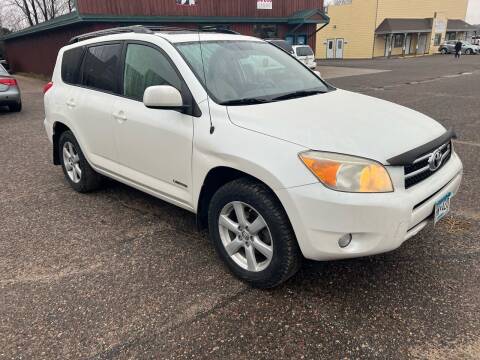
(305,54)
(282,44)
(9,91)
(448,47)
(278,164)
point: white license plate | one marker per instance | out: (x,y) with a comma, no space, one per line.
(442,207)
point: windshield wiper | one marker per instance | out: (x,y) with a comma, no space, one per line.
(298,94)
(251,101)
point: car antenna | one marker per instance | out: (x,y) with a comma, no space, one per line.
(212,128)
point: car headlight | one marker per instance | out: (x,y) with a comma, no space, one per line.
(348,173)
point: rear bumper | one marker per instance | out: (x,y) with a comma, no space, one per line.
(10,96)
(378,222)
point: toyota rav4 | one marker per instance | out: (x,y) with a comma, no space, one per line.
(277,163)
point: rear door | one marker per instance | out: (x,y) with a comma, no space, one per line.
(154,145)
(92,102)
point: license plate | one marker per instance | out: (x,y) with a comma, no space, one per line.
(442,207)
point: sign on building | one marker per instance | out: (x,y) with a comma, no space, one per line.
(265,4)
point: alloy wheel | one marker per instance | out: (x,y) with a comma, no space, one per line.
(245,236)
(71,160)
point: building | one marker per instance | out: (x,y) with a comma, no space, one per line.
(35,49)
(361,29)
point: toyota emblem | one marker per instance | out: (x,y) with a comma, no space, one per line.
(435,161)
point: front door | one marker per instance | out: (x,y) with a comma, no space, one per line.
(408,43)
(154,146)
(339,49)
(330,49)
(422,42)
(388,44)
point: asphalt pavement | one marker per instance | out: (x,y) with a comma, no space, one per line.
(120,275)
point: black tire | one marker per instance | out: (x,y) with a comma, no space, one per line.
(444,51)
(286,259)
(15,107)
(469,52)
(89,180)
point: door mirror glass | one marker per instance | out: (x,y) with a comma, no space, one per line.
(162,97)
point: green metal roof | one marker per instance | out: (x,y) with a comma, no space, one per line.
(308,16)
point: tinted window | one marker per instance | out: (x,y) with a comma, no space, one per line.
(304,51)
(100,69)
(71,63)
(144,67)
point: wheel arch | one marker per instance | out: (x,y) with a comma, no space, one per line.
(58,129)
(214,180)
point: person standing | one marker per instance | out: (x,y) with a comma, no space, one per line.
(458,49)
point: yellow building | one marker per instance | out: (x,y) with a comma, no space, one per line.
(361,29)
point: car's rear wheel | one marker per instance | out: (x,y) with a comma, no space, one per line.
(15,107)
(252,234)
(77,170)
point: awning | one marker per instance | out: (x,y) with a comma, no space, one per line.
(460,25)
(401,26)
(309,16)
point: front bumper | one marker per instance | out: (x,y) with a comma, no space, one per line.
(378,222)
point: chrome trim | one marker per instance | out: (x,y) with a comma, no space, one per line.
(427,168)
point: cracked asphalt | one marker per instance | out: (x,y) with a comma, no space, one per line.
(120,275)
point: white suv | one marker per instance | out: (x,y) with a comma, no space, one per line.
(277,163)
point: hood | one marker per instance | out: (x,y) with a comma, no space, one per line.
(343,122)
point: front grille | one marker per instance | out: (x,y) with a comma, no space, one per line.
(421,170)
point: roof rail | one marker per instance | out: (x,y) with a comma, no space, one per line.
(149,29)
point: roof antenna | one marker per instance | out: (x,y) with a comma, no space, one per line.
(212,128)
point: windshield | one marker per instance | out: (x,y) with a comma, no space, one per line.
(249,72)
(304,51)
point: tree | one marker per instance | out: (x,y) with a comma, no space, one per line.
(18,14)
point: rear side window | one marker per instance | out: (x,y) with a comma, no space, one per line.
(71,64)
(145,67)
(101,67)
(304,51)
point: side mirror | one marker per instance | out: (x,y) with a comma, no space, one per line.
(163,97)
(318,73)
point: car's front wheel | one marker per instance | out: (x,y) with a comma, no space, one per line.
(77,170)
(444,51)
(469,52)
(252,234)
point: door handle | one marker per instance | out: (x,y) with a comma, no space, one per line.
(71,103)
(120,116)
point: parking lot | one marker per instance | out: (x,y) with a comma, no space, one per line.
(119,274)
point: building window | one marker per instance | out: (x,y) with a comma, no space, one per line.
(398,41)
(438,40)
(451,36)
(265,31)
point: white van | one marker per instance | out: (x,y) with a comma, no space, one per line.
(278,164)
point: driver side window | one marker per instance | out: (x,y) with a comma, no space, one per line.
(145,67)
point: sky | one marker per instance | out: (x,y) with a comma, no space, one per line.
(473,13)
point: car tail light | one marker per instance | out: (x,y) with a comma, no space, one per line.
(8,81)
(47,87)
